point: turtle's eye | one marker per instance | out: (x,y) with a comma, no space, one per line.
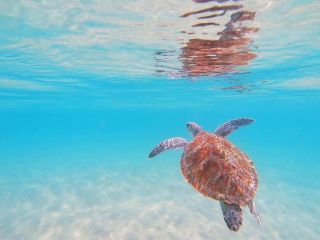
(190,124)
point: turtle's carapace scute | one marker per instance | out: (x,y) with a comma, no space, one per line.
(218,169)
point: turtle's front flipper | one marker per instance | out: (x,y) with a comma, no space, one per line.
(232,215)
(169,144)
(228,127)
(194,128)
(254,212)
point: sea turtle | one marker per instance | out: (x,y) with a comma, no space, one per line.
(218,169)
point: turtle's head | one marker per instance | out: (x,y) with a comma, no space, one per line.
(194,128)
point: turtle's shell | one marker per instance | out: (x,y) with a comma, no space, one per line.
(218,169)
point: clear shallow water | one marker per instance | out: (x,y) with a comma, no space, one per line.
(88,88)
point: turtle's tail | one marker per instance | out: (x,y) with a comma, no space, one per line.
(254,212)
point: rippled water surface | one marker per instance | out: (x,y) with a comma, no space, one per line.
(87,88)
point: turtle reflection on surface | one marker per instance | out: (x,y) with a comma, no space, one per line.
(217,41)
(225,54)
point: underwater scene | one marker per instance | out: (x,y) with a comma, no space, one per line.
(173,119)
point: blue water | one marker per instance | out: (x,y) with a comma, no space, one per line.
(87,88)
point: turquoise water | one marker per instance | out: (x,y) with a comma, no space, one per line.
(87,88)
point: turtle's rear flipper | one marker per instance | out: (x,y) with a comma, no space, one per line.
(169,144)
(232,215)
(254,212)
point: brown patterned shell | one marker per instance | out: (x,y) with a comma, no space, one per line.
(218,169)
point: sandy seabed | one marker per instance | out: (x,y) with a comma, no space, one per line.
(98,204)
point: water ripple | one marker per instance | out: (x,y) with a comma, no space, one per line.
(75,45)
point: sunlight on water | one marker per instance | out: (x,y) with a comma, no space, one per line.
(90,47)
